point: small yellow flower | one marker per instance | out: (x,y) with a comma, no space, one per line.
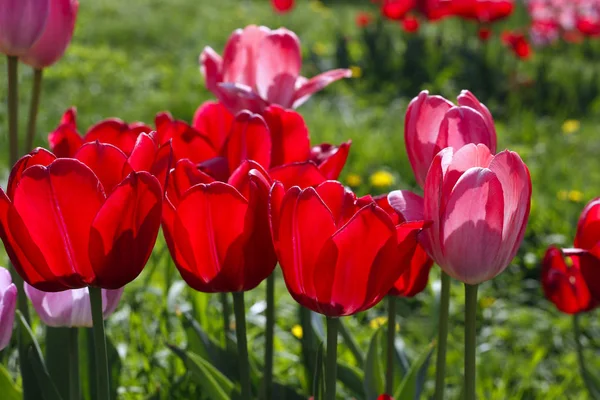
(570,126)
(382,179)
(356,71)
(377,322)
(486,302)
(562,195)
(575,196)
(297,331)
(353,180)
(320,48)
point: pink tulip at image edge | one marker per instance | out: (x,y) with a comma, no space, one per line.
(8,304)
(21,24)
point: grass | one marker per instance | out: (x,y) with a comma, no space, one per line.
(133,59)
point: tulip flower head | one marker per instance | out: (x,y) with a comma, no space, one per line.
(588,238)
(479,204)
(259,67)
(283,6)
(340,255)
(21,24)
(70,308)
(56,36)
(433,123)
(8,304)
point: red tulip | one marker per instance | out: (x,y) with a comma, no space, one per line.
(339,255)
(484,33)
(517,43)
(65,140)
(57,35)
(479,204)
(396,9)
(433,123)
(363,19)
(563,284)
(410,24)
(482,10)
(261,67)
(218,232)
(435,9)
(21,24)
(282,6)
(82,221)
(588,238)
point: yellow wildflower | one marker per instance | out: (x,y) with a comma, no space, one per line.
(382,179)
(575,196)
(486,302)
(377,322)
(570,126)
(356,71)
(562,195)
(297,331)
(353,180)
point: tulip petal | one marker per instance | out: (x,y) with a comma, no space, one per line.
(185,175)
(302,174)
(588,226)
(22,22)
(249,171)
(124,231)
(408,204)
(241,53)
(317,83)
(472,227)
(468,99)
(339,200)
(238,97)
(249,140)
(275,201)
(106,161)
(289,136)
(57,205)
(116,132)
(38,156)
(330,159)
(64,141)
(464,158)
(213,121)
(463,125)
(211,67)
(414,280)
(278,65)
(186,141)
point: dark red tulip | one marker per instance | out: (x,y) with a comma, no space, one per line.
(65,140)
(435,9)
(410,24)
(588,238)
(517,43)
(340,255)
(90,220)
(283,6)
(484,33)
(218,231)
(564,284)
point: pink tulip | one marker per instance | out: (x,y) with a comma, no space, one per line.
(433,123)
(21,24)
(70,308)
(8,304)
(479,204)
(57,35)
(259,67)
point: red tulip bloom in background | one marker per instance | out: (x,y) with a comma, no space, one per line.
(339,255)
(65,140)
(588,238)
(21,24)
(282,6)
(218,231)
(82,221)
(518,44)
(410,24)
(484,33)
(564,285)
(363,19)
(396,9)
(261,67)
(433,123)
(56,36)
(479,204)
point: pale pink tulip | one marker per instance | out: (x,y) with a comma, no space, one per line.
(70,308)
(260,67)
(8,304)
(57,35)
(479,204)
(21,24)
(433,123)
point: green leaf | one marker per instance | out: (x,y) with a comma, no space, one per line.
(318,388)
(374,381)
(57,342)
(8,388)
(412,384)
(352,379)
(213,383)
(114,367)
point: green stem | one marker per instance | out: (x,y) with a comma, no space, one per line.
(391,333)
(74,390)
(331,362)
(470,340)
(13,109)
(580,360)
(351,343)
(36,91)
(226,316)
(309,342)
(99,344)
(440,369)
(269,337)
(242,343)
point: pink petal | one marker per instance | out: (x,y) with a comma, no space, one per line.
(408,204)
(22,22)
(241,53)
(317,83)
(468,99)
(237,97)
(463,125)
(211,67)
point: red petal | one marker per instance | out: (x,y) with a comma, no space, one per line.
(341,202)
(106,161)
(214,121)
(185,175)
(116,132)
(414,280)
(64,141)
(38,156)
(124,231)
(331,159)
(249,140)
(303,174)
(186,141)
(249,170)
(211,66)
(317,83)
(289,136)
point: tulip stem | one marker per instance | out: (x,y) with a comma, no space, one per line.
(13,109)
(440,368)
(36,91)
(391,333)
(74,390)
(580,360)
(470,340)
(269,336)
(103,385)
(351,343)
(331,362)
(226,316)
(242,343)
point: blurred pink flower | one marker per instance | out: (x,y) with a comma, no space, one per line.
(21,24)
(8,304)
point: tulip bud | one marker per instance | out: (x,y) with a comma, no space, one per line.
(21,24)
(70,308)
(8,304)
(56,36)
